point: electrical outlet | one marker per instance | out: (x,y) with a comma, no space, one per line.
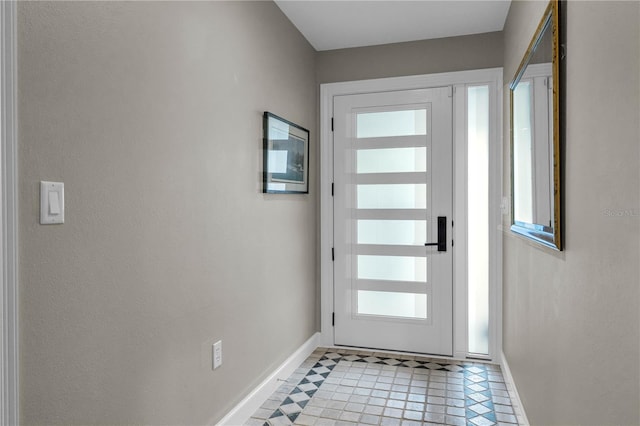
(217,354)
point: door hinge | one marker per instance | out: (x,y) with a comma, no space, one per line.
(332,189)
(332,124)
(333,319)
(451,243)
(452,224)
(333,254)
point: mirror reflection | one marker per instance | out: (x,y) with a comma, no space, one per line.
(534,120)
(532,139)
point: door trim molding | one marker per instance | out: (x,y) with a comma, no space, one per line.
(327,92)
(9,409)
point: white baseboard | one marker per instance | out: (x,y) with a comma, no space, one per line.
(516,403)
(245,408)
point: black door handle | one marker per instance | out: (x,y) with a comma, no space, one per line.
(442,234)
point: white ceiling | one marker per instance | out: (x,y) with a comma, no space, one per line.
(337,24)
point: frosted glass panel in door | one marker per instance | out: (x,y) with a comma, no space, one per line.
(391,123)
(394,196)
(392,160)
(384,303)
(392,232)
(392,268)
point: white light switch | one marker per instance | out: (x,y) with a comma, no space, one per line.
(51,203)
(54,203)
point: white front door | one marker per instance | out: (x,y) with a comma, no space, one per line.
(392,195)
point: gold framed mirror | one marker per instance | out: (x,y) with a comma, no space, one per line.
(535,137)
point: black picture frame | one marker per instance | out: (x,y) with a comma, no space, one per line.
(285,156)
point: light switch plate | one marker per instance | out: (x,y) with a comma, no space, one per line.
(51,203)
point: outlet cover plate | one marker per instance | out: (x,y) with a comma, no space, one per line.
(217,354)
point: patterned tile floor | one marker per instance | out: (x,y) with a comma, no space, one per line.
(348,387)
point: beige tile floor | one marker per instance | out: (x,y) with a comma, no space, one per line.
(348,387)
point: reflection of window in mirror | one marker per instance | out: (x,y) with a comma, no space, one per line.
(522,158)
(533,149)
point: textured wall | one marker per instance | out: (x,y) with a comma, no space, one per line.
(411,58)
(151,114)
(571,319)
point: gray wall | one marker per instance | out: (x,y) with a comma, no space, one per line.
(411,58)
(571,319)
(151,114)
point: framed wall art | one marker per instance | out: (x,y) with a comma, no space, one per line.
(286,156)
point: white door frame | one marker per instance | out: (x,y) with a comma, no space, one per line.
(9,401)
(459,80)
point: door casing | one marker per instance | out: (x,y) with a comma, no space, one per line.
(9,343)
(459,80)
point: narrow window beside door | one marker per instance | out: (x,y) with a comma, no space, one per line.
(478,218)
